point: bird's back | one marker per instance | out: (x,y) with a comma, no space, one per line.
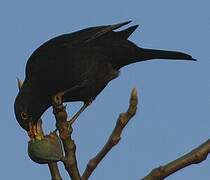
(67,60)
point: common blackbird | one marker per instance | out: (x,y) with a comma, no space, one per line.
(79,64)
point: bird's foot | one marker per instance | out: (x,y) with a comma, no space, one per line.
(57,99)
(57,102)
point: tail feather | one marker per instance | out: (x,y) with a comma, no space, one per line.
(140,54)
(124,34)
(147,54)
(107,29)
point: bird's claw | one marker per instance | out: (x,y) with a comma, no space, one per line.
(57,99)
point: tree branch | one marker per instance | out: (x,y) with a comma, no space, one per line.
(196,156)
(115,137)
(70,161)
(54,171)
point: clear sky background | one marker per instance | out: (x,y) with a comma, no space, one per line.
(174,109)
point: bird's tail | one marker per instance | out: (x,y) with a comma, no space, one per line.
(149,54)
(129,52)
(142,54)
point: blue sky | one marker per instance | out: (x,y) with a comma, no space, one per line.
(173,115)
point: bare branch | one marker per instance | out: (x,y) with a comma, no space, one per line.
(115,137)
(54,171)
(65,132)
(196,156)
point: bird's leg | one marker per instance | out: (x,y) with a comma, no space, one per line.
(85,105)
(58,100)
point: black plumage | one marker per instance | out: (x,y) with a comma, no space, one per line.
(83,62)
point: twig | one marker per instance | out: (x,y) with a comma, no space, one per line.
(54,171)
(70,161)
(53,167)
(196,156)
(115,137)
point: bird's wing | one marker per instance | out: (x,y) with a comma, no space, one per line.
(61,47)
(104,30)
(84,36)
(87,35)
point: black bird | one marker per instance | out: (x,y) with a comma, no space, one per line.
(80,64)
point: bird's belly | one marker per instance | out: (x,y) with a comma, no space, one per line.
(86,93)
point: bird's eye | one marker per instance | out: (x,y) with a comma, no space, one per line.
(24,115)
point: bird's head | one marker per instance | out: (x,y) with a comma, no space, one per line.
(27,107)
(22,108)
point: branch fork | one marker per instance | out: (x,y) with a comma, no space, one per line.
(65,133)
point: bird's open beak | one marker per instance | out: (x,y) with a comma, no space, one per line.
(35,130)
